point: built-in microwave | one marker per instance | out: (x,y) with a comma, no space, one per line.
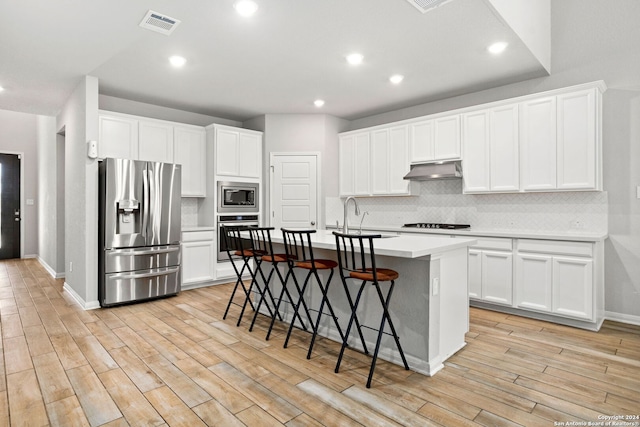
(236,197)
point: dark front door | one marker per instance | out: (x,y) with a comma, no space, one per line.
(10,214)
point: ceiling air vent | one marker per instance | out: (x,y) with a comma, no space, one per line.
(159,23)
(426,5)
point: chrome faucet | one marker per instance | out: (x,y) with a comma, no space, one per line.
(345,223)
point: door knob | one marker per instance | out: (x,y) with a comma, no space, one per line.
(17,219)
(313,223)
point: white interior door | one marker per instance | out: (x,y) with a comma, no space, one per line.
(294,191)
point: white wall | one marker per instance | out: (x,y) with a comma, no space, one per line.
(126,106)
(48,214)
(300,133)
(79,120)
(592,40)
(18,135)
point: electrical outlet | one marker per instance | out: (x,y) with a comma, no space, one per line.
(436,286)
(70,266)
(577,224)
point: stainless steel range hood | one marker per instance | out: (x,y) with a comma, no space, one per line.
(432,171)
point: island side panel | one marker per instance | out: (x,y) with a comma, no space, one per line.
(449,306)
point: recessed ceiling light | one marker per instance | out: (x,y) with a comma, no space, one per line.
(498,47)
(1,89)
(246,8)
(355,58)
(396,79)
(177,61)
(318,103)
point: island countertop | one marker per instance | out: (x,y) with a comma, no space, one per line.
(400,246)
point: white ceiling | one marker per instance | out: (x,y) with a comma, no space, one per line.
(278,61)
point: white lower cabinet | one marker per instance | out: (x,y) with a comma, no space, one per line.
(491,271)
(198,255)
(555,277)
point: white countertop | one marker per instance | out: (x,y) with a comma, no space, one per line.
(577,236)
(394,245)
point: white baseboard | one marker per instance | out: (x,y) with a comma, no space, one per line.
(50,270)
(622,318)
(30,256)
(84,304)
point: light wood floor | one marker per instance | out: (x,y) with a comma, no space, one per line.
(176,362)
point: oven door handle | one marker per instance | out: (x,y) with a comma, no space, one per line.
(145,275)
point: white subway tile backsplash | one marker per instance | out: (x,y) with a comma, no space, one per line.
(443,201)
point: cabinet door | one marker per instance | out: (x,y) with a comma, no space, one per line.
(250,155)
(538,144)
(577,140)
(475,165)
(447,138)
(155,142)
(497,277)
(197,261)
(190,151)
(398,160)
(422,139)
(362,164)
(380,161)
(533,281)
(118,137)
(227,146)
(573,287)
(346,157)
(475,274)
(503,149)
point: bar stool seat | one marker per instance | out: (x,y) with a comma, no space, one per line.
(318,264)
(383,274)
(357,260)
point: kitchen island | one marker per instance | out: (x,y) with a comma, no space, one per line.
(430,303)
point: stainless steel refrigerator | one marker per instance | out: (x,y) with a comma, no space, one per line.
(139,230)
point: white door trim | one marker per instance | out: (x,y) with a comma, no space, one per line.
(22,202)
(318,156)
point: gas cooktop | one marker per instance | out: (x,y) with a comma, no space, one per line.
(436,225)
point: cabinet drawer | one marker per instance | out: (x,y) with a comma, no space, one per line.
(556,247)
(493,243)
(197,236)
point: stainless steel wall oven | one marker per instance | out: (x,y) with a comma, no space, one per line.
(231,220)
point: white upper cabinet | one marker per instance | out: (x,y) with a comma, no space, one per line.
(446,144)
(561,142)
(538,144)
(355,164)
(137,138)
(118,137)
(346,153)
(373,163)
(390,160)
(250,155)
(490,145)
(238,152)
(155,141)
(475,164)
(577,135)
(435,139)
(362,164)
(190,152)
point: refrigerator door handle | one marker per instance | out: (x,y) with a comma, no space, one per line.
(145,275)
(145,205)
(136,252)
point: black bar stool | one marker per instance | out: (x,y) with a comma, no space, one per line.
(241,249)
(263,252)
(299,253)
(357,260)
(235,247)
